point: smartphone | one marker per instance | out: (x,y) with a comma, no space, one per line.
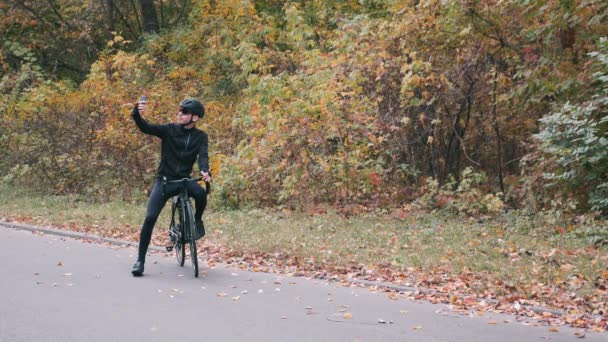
(143,98)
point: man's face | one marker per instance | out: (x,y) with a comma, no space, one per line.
(184,117)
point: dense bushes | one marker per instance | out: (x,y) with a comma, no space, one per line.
(328,102)
(575,141)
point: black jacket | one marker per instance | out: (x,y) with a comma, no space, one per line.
(180,147)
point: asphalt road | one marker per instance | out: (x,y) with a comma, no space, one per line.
(59,289)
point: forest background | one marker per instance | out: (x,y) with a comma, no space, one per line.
(468,110)
(374,103)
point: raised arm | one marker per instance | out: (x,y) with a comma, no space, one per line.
(145,127)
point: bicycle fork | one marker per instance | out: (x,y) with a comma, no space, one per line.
(173,234)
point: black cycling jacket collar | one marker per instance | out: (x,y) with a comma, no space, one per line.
(184,129)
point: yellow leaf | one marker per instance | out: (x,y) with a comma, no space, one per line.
(216,162)
(553,329)
(348,315)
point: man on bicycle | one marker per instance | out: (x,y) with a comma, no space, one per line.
(181,144)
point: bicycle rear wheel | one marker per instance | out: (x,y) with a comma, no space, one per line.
(180,245)
(191,228)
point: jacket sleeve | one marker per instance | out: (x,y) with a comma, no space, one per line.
(145,127)
(203,154)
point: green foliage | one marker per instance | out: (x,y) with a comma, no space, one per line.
(576,140)
(595,233)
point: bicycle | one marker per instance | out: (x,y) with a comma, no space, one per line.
(182,229)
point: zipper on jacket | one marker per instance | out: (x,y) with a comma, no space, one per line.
(187,142)
(185,149)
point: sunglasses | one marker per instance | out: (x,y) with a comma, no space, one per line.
(184,111)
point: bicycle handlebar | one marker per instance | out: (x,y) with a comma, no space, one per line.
(183,180)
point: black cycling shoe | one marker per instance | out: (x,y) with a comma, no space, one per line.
(138,269)
(200,229)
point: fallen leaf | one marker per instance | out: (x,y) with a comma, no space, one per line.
(418,327)
(221,294)
(553,329)
(236,298)
(348,315)
(492,322)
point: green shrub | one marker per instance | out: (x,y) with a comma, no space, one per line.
(575,144)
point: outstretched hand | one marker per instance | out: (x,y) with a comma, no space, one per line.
(141,106)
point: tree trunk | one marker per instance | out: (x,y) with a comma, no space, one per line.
(148,13)
(109,12)
(498,135)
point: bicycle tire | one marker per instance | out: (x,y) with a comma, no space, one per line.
(192,233)
(180,244)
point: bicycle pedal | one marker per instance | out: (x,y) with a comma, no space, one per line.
(169,248)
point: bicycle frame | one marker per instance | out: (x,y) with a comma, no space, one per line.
(185,232)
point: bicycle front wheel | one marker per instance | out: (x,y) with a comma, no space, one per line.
(192,234)
(180,245)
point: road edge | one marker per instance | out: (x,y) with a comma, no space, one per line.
(125,243)
(75,235)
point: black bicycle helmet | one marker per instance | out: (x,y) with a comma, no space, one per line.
(194,106)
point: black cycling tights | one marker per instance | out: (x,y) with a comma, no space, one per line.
(160,194)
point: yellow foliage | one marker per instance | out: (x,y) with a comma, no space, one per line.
(215,163)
